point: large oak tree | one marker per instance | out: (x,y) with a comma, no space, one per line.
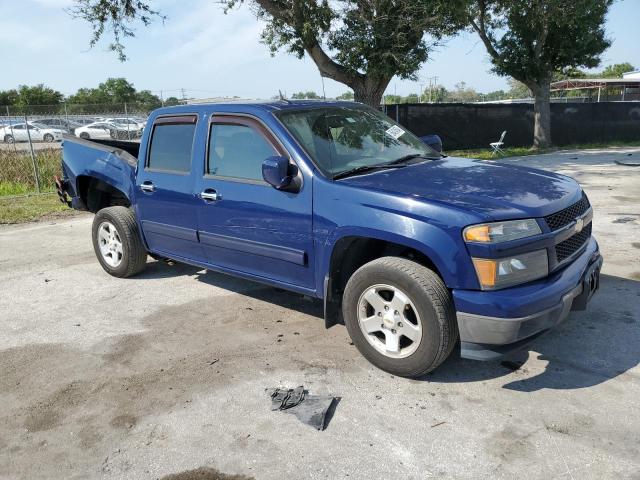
(360,43)
(530,40)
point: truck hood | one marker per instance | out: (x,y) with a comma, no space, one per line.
(494,190)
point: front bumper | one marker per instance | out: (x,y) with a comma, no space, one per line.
(494,323)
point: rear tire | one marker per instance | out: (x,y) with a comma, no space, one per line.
(117,242)
(48,138)
(85,136)
(9,139)
(400,316)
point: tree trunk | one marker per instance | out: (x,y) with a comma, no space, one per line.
(542,115)
(370,91)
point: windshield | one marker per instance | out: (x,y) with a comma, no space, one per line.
(340,139)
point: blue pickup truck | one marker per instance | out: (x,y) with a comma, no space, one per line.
(412,250)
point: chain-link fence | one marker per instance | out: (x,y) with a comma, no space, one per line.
(30,138)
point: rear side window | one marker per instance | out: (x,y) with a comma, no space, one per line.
(172,144)
(237,151)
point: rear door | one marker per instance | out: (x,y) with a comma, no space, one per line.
(166,204)
(245,224)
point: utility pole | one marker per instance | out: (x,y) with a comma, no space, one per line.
(161,98)
(184,95)
(433,82)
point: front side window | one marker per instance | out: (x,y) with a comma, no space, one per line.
(237,150)
(339,139)
(172,146)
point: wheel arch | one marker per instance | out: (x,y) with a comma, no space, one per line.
(96,193)
(350,251)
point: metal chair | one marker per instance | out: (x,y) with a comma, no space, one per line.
(497,146)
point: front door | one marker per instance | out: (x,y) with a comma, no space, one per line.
(246,225)
(165,201)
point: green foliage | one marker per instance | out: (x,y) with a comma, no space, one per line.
(118,15)
(530,40)
(518,89)
(25,96)
(616,70)
(371,37)
(114,91)
(361,43)
(171,101)
(533,40)
(305,95)
(348,96)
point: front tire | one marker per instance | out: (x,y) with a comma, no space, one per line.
(117,242)
(48,138)
(400,316)
(85,136)
(9,139)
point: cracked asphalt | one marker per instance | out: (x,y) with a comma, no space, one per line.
(164,375)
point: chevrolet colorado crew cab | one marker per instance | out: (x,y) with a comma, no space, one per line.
(410,249)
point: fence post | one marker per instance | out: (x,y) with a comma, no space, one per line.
(126,114)
(33,156)
(66,115)
(15,148)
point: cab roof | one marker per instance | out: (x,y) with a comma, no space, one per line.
(249,106)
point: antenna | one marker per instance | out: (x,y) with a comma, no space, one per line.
(283,98)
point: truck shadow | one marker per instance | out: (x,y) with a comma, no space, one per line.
(587,349)
(277,296)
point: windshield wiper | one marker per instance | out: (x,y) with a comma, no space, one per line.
(365,168)
(411,156)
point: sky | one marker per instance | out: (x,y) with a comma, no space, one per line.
(210,54)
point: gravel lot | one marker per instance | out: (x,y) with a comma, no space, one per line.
(163,374)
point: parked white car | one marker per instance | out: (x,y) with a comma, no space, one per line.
(96,130)
(39,133)
(134,124)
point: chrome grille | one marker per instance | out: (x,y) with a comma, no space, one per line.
(572,244)
(565,217)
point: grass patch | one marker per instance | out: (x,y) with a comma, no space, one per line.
(16,174)
(485,153)
(32,207)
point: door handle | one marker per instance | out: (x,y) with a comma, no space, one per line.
(147,186)
(210,195)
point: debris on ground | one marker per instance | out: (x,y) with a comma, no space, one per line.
(628,163)
(314,410)
(624,220)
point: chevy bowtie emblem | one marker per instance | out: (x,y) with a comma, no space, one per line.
(579,225)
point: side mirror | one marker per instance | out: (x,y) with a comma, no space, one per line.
(275,171)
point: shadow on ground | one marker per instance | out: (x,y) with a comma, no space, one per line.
(589,348)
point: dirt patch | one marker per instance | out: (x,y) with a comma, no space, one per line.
(204,474)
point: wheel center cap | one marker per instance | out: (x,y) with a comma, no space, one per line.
(388,320)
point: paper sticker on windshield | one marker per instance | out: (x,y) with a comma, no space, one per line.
(395,132)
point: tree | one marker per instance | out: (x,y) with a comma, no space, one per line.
(464,94)
(529,40)
(305,95)
(360,43)
(171,101)
(118,90)
(348,96)
(147,99)
(518,89)
(37,95)
(616,70)
(114,91)
(8,97)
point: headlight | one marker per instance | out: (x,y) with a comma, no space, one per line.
(501,231)
(506,272)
